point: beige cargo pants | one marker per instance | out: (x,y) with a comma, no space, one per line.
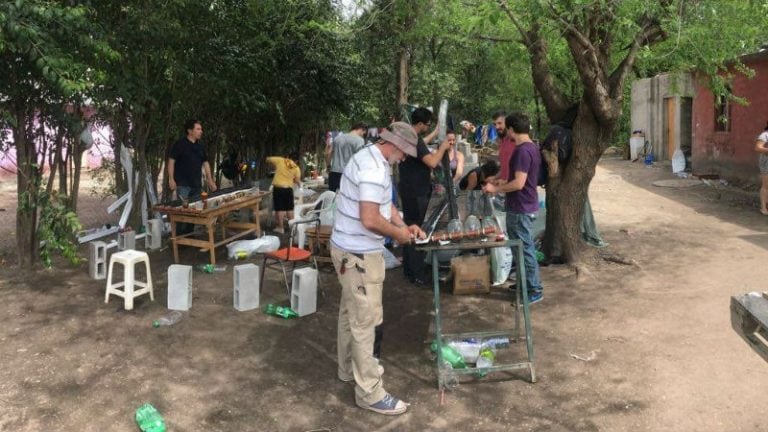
(360,311)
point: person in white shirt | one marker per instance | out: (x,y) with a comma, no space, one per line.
(365,214)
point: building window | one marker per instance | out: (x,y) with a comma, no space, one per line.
(722,113)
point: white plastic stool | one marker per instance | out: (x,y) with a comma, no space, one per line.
(129,258)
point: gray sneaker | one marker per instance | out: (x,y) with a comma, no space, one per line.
(389,405)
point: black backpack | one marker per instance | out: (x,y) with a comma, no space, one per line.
(229,168)
(564,148)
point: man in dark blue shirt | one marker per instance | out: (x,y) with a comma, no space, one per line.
(185,161)
(522,200)
(415,189)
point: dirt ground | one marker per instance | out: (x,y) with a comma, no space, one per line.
(629,348)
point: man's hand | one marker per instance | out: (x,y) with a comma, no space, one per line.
(406,234)
(172,184)
(212,186)
(416,232)
(445,145)
(403,235)
(490,188)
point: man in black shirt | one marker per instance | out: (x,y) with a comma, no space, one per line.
(185,161)
(415,189)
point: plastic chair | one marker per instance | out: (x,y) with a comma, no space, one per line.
(289,254)
(129,258)
(320,209)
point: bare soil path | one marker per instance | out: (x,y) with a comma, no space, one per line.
(663,355)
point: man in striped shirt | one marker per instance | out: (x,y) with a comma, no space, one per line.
(365,214)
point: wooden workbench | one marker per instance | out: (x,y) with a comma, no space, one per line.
(208,218)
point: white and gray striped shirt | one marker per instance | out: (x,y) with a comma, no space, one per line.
(366,178)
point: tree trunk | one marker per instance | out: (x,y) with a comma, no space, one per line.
(57,161)
(141,128)
(403,76)
(77,162)
(567,191)
(28,178)
(64,165)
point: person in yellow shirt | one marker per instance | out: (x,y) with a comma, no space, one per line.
(287,173)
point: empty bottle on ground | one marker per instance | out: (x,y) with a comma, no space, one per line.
(149,419)
(280,311)
(210,268)
(167,320)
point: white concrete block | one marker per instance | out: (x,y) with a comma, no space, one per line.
(179,287)
(126,240)
(304,291)
(153,238)
(97,260)
(246,287)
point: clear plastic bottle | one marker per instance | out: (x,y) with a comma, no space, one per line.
(469,349)
(451,381)
(472,227)
(497,342)
(168,320)
(455,230)
(486,357)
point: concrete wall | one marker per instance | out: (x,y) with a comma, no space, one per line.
(730,155)
(649,109)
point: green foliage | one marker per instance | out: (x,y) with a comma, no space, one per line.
(268,75)
(57,228)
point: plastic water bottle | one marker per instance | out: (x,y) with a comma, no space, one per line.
(210,268)
(149,419)
(469,349)
(450,355)
(451,381)
(497,342)
(486,357)
(280,311)
(167,320)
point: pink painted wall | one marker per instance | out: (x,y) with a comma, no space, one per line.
(92,157)
(730,154)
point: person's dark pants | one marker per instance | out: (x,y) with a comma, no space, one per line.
(414,212)
(334,181)
(190,194)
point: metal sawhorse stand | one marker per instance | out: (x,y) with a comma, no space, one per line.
(443,374)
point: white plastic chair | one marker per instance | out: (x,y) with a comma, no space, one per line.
(321,210)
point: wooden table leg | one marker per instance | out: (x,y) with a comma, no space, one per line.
(173,240)
(257,218)
(211,242)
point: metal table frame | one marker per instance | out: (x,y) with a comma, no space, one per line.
(443,374)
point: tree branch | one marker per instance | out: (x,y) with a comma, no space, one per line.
(496,39)
(570,28)
(505,7)
(650,33)
(554,100)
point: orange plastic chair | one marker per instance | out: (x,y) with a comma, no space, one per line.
(290,254)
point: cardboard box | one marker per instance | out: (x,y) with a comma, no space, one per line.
(471,275)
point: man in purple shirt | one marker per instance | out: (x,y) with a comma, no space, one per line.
(522,201)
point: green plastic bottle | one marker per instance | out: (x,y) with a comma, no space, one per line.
(149,419)
(210,268)
(450,355)
(280,311)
